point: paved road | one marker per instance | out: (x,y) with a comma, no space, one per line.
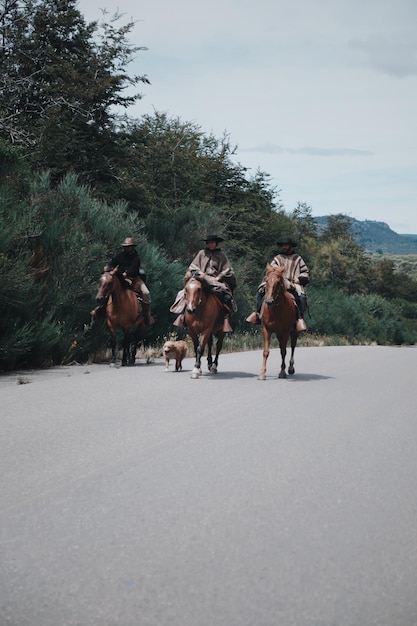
(135,497)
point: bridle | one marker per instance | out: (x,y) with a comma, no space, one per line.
(106,281)
(195,280)
(276,290)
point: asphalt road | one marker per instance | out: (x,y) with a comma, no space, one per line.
(136,497)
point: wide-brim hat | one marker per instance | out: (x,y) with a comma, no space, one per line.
(213,237)
(286,241)
(129,242)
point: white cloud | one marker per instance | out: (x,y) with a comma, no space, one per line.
(393,55)
(268,148)
(321,95)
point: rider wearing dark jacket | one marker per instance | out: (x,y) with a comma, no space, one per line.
(131,275)
(127,261)
(296,276)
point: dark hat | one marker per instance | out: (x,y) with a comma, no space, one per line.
(128,242)
(287,240)
(213,237)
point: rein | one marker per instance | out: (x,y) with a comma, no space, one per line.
(275,300)
(196,278)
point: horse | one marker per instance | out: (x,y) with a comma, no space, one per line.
(279,316)
(123,310)
(203,318)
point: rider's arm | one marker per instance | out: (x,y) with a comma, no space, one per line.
(303,276)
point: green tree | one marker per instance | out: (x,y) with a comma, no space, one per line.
(390,283)
(60,79)
(171,163)
(306,228)
(342,264)
(338,227)
(54,242)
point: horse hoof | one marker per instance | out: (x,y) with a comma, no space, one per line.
(262,377)
(282,375)
(291,371)
(196,373)
(213,369)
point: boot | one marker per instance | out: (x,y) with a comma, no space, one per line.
(229,304)
(300,325)
(179,321)
(226,325)
(253,318)
(146,307)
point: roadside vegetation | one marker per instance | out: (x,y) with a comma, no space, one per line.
(77,177)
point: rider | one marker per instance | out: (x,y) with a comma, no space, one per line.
(132,276)
(218,275)
(296,276)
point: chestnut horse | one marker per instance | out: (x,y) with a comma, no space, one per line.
(124,311)
(203,318)
(279,316)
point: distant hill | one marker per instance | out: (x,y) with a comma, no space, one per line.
(377,237)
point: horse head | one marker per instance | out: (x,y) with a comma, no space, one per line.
(105,285)
(274,284)
(193,293)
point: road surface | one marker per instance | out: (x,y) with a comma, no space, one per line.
(139,497)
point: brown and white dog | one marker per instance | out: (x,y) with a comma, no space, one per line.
(174,350)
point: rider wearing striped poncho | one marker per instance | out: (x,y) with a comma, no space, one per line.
(296,276)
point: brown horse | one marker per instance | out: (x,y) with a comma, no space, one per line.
(203,319)
(124,311)
(279,316)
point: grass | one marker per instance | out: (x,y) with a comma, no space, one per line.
(238,342)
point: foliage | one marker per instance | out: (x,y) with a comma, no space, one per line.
(172,162)
(50,262)
(405,262)
(340,263)
(359,317)
(60,79)
(76,179)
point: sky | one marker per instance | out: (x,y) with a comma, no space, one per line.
(321,95)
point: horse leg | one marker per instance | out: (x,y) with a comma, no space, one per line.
(219,345)
(209,355)
(132,353)
(113,346)
(134,338)
(267,342)
(126,346)
(294,337)
(283,348)
(196,373)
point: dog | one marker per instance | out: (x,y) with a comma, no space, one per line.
(174,350)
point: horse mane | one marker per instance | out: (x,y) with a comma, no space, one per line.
(201,279)
(279,270)
(116,273)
